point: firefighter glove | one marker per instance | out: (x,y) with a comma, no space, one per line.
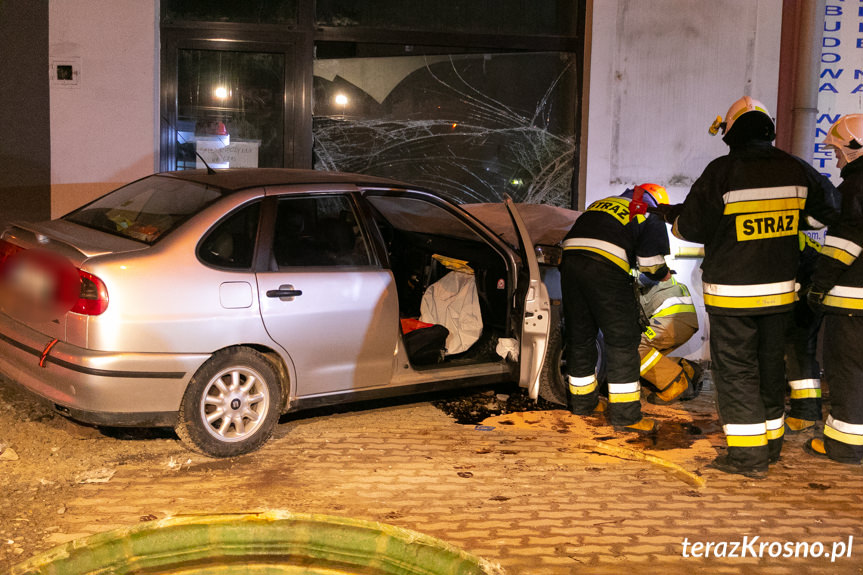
(669,212)
(815,299)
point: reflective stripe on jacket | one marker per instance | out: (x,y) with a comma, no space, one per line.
(747,209)
(605,229)
(839,268)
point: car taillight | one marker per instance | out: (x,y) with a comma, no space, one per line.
(93,299)
(7,249)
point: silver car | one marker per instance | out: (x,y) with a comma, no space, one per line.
(215,301)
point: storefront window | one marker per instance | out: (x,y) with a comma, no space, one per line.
(230,109)
(472,126)
(474,99)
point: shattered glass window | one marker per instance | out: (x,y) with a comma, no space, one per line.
(472,127)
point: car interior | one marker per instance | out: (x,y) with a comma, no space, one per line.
(419,258)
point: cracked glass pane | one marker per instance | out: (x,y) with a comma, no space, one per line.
(471,126)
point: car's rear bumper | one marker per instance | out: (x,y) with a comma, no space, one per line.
(105,388)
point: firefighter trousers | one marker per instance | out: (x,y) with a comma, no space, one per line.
(748,357)
(801,363)
(598,295)
(664,335)
(843,369)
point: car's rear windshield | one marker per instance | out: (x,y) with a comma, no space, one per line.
(145,210)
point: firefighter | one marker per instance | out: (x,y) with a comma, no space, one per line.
(801,363)
(672,321)
(837,286)
(746,209)
(608,241)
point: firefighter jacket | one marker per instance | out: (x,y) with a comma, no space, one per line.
(839,270)
(673,320)
(667,298)
(605,230)
(747,208)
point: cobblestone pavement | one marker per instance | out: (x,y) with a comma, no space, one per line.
(526,491)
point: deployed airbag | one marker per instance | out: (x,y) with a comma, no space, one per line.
(453,303)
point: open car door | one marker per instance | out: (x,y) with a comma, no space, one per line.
(533,303)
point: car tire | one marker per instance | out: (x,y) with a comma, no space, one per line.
(232,404)
(552,382)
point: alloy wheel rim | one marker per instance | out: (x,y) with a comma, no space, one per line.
(234,404)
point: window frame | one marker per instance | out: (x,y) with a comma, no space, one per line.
(265,259)
(297,150)
(222,220)
(298,42)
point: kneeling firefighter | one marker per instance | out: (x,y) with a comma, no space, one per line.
(610,239)
(672,321)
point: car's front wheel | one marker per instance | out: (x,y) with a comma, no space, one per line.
(552,383)
(231,405)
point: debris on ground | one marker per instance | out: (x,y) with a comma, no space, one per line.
(102,475)
(686,430)
(178,464)
(472,409)
(7,453)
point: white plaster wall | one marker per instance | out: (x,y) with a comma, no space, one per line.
(105,131)
(660,72)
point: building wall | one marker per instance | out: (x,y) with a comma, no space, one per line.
(25,144)
(660,73)
(104,129)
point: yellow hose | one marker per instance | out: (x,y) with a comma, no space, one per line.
(625,453)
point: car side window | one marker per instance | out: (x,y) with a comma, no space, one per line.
(231,243)
(318,231)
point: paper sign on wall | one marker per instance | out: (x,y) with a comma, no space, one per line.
(236,154)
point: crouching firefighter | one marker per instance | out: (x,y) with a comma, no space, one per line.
(611,238)
(672,320)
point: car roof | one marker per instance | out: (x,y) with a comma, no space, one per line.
(546,224)
(234,179)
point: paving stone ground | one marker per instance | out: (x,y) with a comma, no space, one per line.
(526,492)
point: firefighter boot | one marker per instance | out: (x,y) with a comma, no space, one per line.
(601,406)
(815,447)
(695,373)
(796,425)
(725,465)
(669,394)
(644,426)
(582,395)
(818,448)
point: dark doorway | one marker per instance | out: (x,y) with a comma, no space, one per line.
(25,148)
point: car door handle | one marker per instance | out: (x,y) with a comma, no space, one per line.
(285,293)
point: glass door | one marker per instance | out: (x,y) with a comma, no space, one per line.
(230,104)
(230,109)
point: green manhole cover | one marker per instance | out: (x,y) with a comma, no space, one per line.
(273,543)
